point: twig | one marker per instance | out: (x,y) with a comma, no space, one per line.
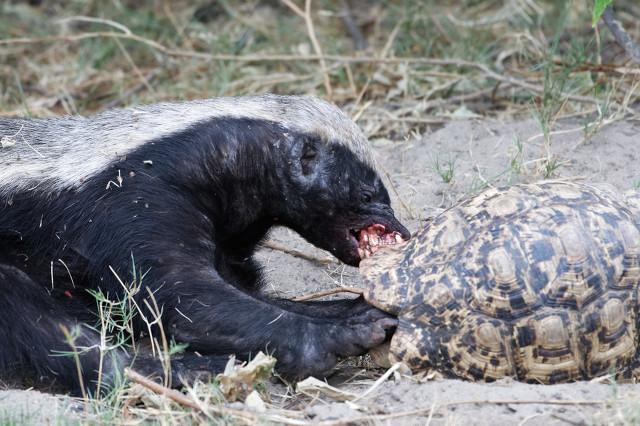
(430,120)
(329,292)
(362,109)
(306,15)
(621,36)
(350,79)
(172,394)
(186,401)
(317,48)
(587,66)
(183,399)
(296,253)
(459,63)
(294,7)
(93,20)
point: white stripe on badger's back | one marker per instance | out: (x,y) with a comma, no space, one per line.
(65,151)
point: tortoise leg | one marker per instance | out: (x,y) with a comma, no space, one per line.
(475,348)
(414,345)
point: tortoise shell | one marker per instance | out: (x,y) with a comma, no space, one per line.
(535,281)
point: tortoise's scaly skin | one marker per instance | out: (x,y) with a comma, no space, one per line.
(538,282)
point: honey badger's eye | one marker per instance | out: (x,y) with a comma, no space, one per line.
(309,153)
(308,158)
(367,196)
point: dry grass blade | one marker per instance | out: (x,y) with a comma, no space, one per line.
(306,15)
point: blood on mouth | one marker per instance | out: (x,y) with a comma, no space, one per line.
(371,238)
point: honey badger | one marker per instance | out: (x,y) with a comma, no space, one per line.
(186,190)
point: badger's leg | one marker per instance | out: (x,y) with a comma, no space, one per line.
(212,316)
(32,331)
(247,274)
(31,334)
(338,308)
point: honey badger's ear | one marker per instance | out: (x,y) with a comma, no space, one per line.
(309,155)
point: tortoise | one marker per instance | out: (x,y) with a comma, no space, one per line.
(538,282)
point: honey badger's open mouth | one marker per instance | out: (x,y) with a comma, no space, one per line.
(373,237)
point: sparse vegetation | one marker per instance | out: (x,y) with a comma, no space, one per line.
(445,168)
(516,159)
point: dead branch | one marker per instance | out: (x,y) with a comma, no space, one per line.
(308,20)
(185,400)
(621,36)
(172,394)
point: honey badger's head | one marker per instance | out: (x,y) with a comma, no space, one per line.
(335,197)
(247,159)
(338,202)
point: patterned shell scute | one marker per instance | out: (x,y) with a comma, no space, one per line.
(535,281)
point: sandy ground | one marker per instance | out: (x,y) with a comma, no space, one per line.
(484,153)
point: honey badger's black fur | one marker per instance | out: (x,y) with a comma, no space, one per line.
(190,207)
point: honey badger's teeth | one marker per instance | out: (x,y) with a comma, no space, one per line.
(370,239)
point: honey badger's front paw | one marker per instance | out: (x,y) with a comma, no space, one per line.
(364,330)
(323,342)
